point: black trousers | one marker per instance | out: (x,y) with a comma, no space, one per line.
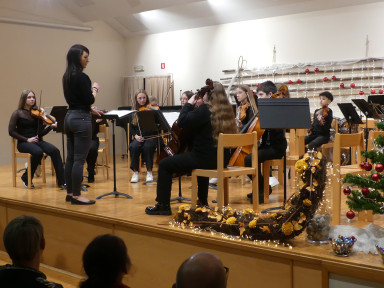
(315,141)
(146,149)
(36,150)
(78,127)
(265,153)
(183,163)
(92,156)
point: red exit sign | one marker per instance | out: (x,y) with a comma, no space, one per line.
(162,65)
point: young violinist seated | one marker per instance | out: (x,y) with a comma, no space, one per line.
(185,97)
(140,145)
(205,122)
(321,124)
(29,131)
(273,142)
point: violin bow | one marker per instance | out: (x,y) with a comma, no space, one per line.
(169,90)
(38,119)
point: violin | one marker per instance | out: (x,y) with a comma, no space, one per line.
(149,107)
(208,87)
(40,113)
(282,92)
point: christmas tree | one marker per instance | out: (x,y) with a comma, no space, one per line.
(368,189)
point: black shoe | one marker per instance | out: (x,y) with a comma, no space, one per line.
(91,178)
(63,187)
(68,198)
(78,202)
(25,182)
(159,209)
(201,203)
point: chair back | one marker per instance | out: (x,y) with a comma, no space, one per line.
(355,140)
(236,140)
(371,137)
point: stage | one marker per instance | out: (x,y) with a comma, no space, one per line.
(157,248)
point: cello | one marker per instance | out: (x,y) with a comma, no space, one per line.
(241,152)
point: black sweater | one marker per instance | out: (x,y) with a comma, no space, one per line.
(79,95)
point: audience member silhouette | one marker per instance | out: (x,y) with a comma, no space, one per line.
(105,262)
(24,241)
(202,270)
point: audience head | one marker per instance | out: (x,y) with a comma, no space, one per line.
(105,261)
(266,89)
(203,270)
(24,241)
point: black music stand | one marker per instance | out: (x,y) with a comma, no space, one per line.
(284,113)
(152,120)
(59,113)
(369,112)
(377,102)
(350,114)
(113,116)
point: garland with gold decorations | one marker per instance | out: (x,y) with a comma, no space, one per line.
(280,225)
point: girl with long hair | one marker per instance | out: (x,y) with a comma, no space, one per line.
(205,122)
(80,94)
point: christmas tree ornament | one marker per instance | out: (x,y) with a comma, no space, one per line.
(342,85)
(307,70)
(350,214)
(347,191)
(317,69)
(367,166)
(325,79)
(375,177)
(362,164)
(298,81)
(361,92)
(381,91)
(365,191)
(373,91)
(379,167)
(352,85)
(334,77)
(290,82)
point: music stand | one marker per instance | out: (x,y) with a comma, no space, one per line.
(377,102)
(113,115)
(278,114)
(59,113)
(350,114)
(369,112)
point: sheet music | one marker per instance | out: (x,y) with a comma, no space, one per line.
(171,117)
(120,113)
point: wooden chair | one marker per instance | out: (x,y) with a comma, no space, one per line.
(295,150)
(104,151)
(222,174)
(372,135)
(338,172)
(16,154)
(329,145)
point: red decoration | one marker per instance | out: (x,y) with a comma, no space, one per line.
(379,167)
(362,165)
(368,166)
(258,84)
(342,85)
(352,85)
(289,81)
(298,81)
(325,79)
(361,92)
(376,177)
(381,91)
(317,69)
(334,78)
(365,191)
(350,214)
(347,191)
(307,70)
(373,91)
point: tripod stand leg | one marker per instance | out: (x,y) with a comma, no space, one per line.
(180,198)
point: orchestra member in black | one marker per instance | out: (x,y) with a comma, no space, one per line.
(244,110)
(185,97)
(80,94)
(273,142)
(29,132)
(205,123)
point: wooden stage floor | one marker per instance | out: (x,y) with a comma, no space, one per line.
(156,246)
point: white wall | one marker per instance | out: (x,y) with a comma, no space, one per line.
(195,54)
(35,58)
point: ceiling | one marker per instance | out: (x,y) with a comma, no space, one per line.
(140,17)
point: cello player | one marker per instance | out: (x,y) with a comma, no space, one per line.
(273,142)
